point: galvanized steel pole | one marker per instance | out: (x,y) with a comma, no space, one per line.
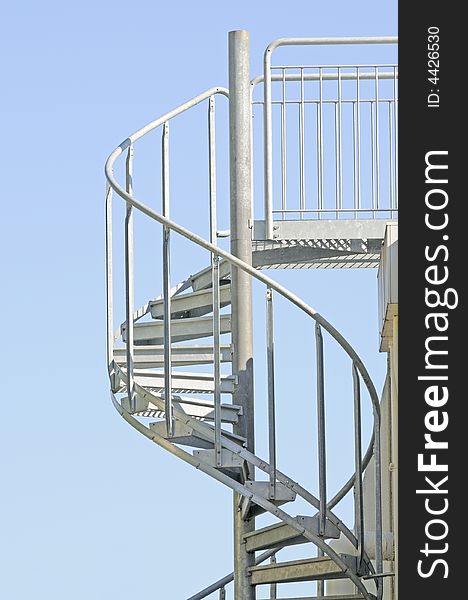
(241,284)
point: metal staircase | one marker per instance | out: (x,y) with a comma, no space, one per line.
(173,378)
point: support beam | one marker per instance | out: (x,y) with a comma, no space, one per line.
(241,285)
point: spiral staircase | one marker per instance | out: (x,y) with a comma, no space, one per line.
(173,378)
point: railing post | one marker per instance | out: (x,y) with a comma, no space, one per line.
(129,294)
(267,145)
(358,495)
(378,504)
(241,285)
(215,281)
(321,441)
(109,283)
(167,284)
(273,586)
(271,391)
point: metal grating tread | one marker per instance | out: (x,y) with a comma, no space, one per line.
(335,597)
(309,569)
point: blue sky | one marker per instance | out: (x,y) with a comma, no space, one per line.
(89,508)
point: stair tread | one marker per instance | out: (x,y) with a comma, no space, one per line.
(152,356)
(185,382)
(267,528)
(182,382)
(179,360)
(176,322)
(203,403)
(185,435)
(301,561)
(182,375)
(282,534)
(202,279)
(181,329)
(334,597)
(194,408)
(207,403)
(308,569)
(200,301)
(159,348)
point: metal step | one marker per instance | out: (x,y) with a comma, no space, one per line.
(229,459)
(183,434)
(194,304)
(281,534)
(231,463)
(262,488)
(185,383)
(194,408)
(309,569)
(187,436)
(152,357)
(339,597)
(203,279)
(181,330)
(229,412)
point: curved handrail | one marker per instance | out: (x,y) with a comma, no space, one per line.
(202,428)
(267,505)
(216,250)
(159,121)
(287,294)
(283,291)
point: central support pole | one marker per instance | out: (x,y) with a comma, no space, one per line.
(241,284)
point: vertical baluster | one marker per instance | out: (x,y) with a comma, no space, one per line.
(340,149)
(390,153)
(252,153)
(318,157)
(283,146)
(358,497)
(372,128)
(216,352)
(301,148)
(395,129)
(320,584)
(321,430)
(273,586)
(271,391)
(358,134)
(109,282)
(215,281)
(222,593)
(321,443)
(268,147)
(378,504)
(167,284)
(129,280)
(355,176)
(321,139)
(377,149)
(337,172)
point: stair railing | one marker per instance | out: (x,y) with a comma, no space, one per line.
(335,150)
(358,369)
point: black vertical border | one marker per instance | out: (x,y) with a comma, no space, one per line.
(423,129)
